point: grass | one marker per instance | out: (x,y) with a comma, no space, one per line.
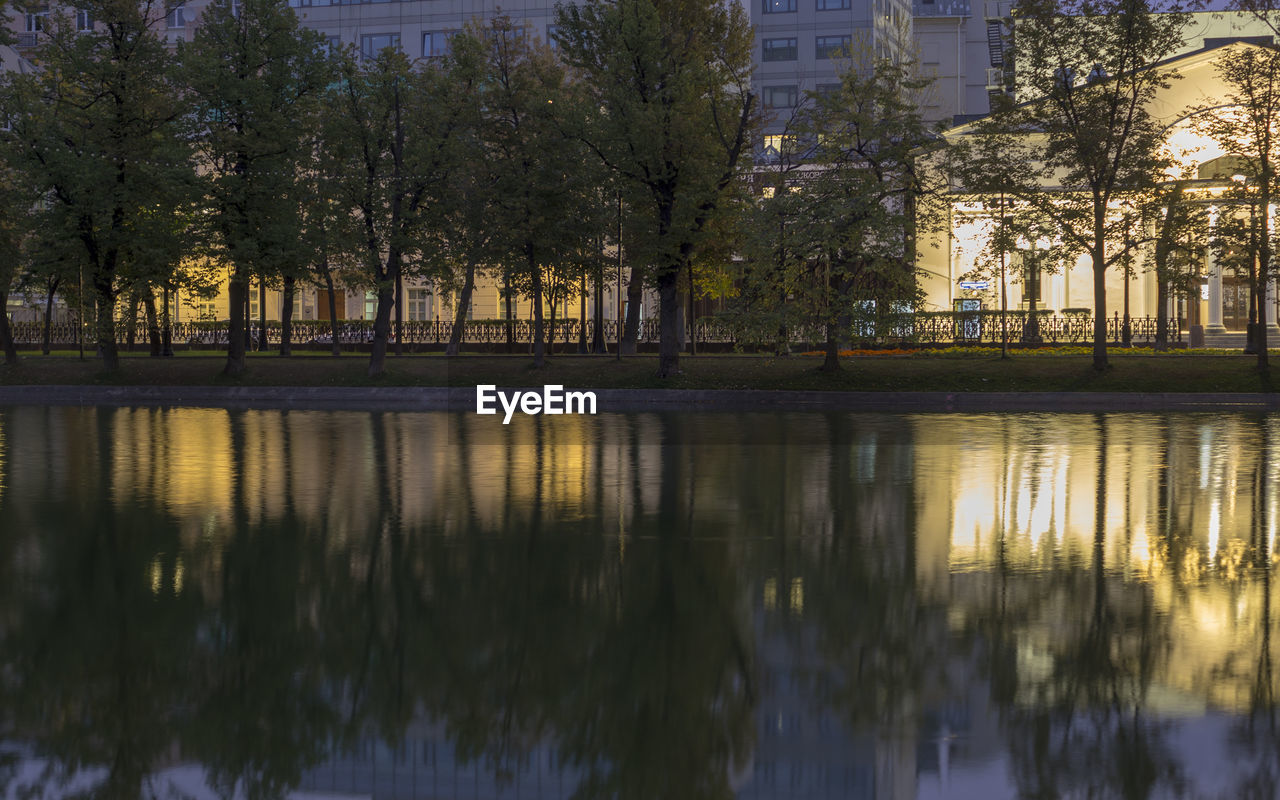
(953,373)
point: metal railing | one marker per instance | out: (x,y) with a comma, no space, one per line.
(932,328)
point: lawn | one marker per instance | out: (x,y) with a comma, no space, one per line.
(952,373)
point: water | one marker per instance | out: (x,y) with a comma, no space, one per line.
(203,603)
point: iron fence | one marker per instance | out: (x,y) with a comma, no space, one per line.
(931,328)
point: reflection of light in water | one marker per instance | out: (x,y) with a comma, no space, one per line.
(797,596)
(1215,527)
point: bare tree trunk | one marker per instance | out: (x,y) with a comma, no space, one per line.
(106,325)
(333,311)
(551,327)
(166,330)
(238,294)
(263,344)
(510,322)
(454,347)
(6,332)
(692,321)
(1162,314)
(286,315)
(832,361)
(597,323)
(399,315)
(668,320)
(131,323)
(539,351)
(153,324)
(51,288)
(1099,301)
(381,330)
(635,294)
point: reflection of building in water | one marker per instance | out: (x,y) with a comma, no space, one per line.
(911,589)
(1186,511)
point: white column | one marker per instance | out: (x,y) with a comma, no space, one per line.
(1215,285)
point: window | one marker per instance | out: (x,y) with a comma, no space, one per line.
(206,311)
(435,44)
(373,43)
(826,89)
(370,305)
(833,5)
(332,45)
(84,21)
(779,50)
(253,306)
(553,32)
(419,305)
(35,21)
(832,46)
(177,17)
(776,144)
(779,6)
(780,96)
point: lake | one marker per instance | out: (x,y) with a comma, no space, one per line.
(301,604)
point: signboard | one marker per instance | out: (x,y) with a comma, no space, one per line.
(976,285)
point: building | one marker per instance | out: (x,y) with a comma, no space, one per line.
(1222,304)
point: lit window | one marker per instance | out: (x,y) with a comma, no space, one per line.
(779,50)
(373,43)
(370,305)
(779,6)
(832,46)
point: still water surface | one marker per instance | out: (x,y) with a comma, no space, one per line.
(204,603)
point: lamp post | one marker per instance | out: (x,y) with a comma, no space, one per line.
(1126,330)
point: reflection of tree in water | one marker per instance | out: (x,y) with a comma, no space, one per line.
(1256,736)
(97,642)
(1084,730)
(880,647)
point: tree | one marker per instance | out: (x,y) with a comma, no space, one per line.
(251,73)
(1179,227)
(96,132)
(388,145)
(545,198)
(670,111)
(1249,132)
(858,208)
(1087,135)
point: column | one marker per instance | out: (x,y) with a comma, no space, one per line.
(1215,285)
(1273,329)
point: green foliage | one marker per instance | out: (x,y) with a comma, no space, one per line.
(253,77)
(1085,135)
(833,246)
(669,110)
(95,134)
